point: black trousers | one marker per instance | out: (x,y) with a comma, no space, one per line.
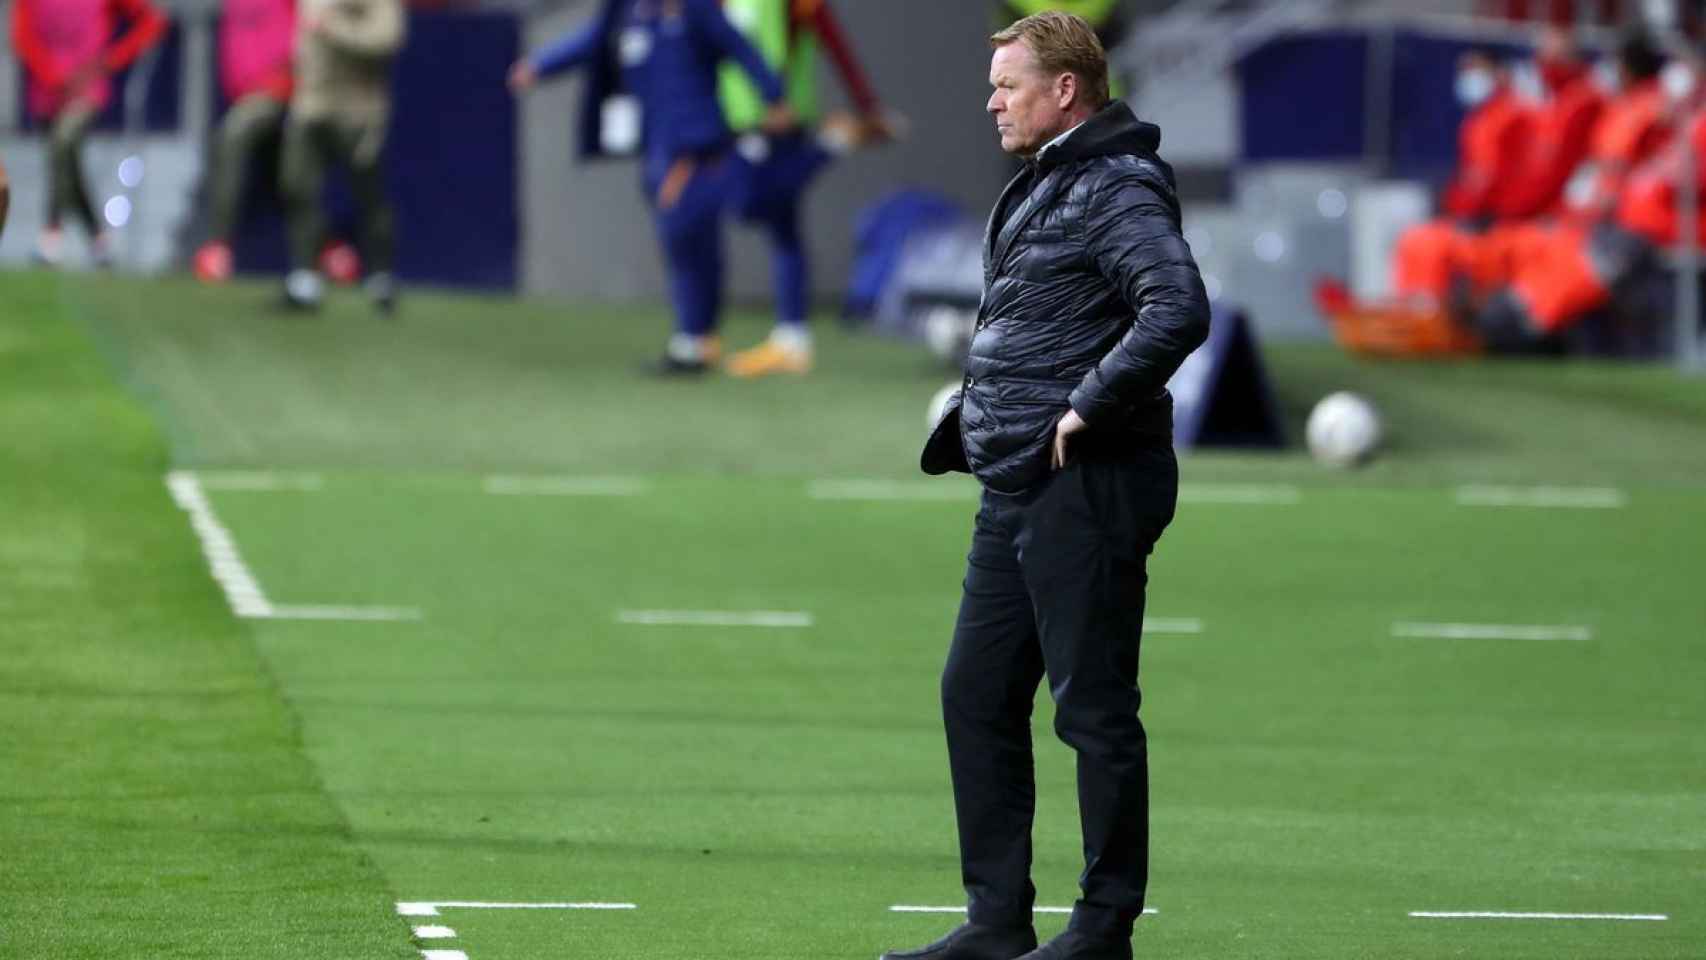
(1055,586)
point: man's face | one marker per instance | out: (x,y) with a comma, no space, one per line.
(1026,104)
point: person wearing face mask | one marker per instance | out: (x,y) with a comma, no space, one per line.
(1633,127)
(1561,130)
(1431,256)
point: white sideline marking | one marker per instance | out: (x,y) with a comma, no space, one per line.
(242,590)
(430,908)
(1577,498)
(1235,493)
(714,618)
(890,490)
(565,486)
(435,933)
(1172,625)
(1488,631)
(1493,915)
(259,480)
(904,908)
(443,955)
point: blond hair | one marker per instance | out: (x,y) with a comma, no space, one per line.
(1063,43)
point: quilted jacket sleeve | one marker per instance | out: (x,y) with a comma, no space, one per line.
(1133,236)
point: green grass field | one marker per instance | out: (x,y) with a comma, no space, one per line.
(179,781)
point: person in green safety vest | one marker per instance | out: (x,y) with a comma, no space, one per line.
(1107,16)
(776,170)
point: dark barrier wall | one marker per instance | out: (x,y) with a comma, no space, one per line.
(452,153)
(1304,100)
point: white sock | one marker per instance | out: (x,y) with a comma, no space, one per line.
(304,285)
(792,337)
(686,348)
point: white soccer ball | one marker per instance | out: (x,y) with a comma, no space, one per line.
(939,403)
(1344,430)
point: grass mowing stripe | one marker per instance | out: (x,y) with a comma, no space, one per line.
(346,614)
(157,798)
(565,486)
(1489,631)
(259,481)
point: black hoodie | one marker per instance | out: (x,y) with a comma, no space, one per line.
(1091,300)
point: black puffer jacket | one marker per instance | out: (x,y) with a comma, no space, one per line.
(1091,299)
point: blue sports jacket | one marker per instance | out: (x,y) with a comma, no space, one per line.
(666,54)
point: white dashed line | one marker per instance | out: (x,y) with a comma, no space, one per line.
(1188,625)
(1489,631)
(435,933)
(1494,915)
(1566,498)
(431,908)
(908,908)
(714,618)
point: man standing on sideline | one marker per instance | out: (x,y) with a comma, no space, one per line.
(338,114)
(1091,302)
(256,41)
(70,51)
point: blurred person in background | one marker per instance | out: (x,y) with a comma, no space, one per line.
(1525,284)
(257,41)
(339,110)
(653,87)
(1495,128)
(777,170)
(1566,110)
(70,50)
(5,197)
(1092,300)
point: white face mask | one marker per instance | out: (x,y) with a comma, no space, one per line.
(1608,77)
(1474,86)
(1678,81)
(1527,82)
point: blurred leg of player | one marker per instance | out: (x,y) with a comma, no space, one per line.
(772,198)
(688,202)
(68,191)
(310,147)
(251,125)
(307,151)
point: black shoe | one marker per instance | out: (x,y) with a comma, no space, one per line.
(290,303)
(1072,945)
(974,941)
(672,366)
(382,289)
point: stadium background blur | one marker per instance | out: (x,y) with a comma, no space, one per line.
(1463,678)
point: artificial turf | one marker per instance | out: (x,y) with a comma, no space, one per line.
(771,792)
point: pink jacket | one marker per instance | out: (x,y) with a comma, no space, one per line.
(256,42)
(68,52)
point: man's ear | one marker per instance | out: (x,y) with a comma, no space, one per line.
(1066,90)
